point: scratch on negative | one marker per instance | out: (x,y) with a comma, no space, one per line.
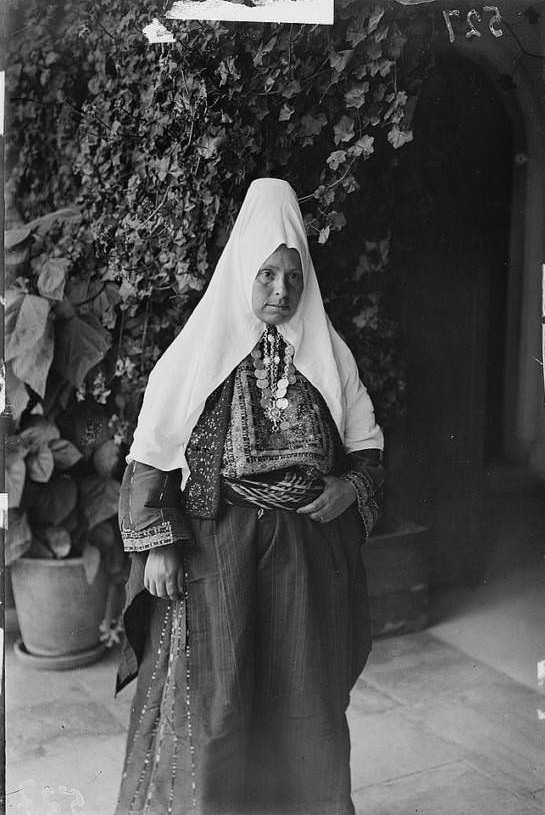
(541,674)
(156,32)
(2,388)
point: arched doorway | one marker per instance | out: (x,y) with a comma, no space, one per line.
(451,251)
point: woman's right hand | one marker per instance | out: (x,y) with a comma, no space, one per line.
(164,573)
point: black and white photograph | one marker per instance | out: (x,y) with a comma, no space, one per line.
(273,407)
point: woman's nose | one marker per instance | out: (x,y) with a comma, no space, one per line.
(280,288)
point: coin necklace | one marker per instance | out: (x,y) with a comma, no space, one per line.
(274,376)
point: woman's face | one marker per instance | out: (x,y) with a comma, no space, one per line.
(278,286)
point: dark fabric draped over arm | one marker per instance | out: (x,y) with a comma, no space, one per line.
(151,514)
(150,508)
(364,470)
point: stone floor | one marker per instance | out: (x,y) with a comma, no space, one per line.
(435,731)
(447,721)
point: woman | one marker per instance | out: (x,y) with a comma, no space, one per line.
(251,484)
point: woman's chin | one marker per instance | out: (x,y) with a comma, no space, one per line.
(275,317)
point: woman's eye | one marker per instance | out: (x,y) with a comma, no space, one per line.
(265,274)
(295,278)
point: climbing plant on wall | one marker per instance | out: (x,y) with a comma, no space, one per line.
(155,145)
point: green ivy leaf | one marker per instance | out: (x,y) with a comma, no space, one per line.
(33,366)
(91,562)
(374,52)
(357,31)
(363,146)
(15,475)
(26,320)
(16,264)
(338,220)
(395,45)
(18,536)
(37,432)
(106,458)
(94,85)
(340,59)
(42,225)
(381,33)
(81,344)
(398,137)
(344,130)
(336,158)
(65,454)
(52,278)
(17,395)
(40,550)
(313,125)
(88,428)
(376,16)
(58,540)
(209,146)
(291,89)
(99,499)
(285,113)
(13,238)
(103,536)
(40,465)
(356,96)
(104,305)
(50,503)
(187,282)
(324,234)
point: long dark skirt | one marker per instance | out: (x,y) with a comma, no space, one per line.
(243,687)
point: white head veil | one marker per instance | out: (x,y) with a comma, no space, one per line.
(223,329)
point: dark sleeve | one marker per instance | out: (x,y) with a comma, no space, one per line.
(150,508)
(364,470)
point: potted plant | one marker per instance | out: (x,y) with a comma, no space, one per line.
(64,551)
(63,545)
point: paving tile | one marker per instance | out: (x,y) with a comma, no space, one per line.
(120,706)
(496,726)
(52,728)
(99,678)
(429,671)
(406,650)
(451,789)
(99,683)
(86,781)
(501,623)
(367,699)
(387,745)
(26,686)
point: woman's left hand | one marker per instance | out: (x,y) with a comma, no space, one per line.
(337,496)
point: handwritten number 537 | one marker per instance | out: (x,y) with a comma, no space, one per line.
(473,17)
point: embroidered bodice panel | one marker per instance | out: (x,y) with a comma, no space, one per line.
(251,445)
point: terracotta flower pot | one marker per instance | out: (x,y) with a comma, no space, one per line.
(59,613)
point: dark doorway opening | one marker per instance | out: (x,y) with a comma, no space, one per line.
(450,250)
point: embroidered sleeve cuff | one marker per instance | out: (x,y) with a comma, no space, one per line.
(159,534)
(368,506)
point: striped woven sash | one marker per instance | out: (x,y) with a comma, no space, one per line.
(285,489)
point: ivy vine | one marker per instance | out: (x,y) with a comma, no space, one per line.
(155,145)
